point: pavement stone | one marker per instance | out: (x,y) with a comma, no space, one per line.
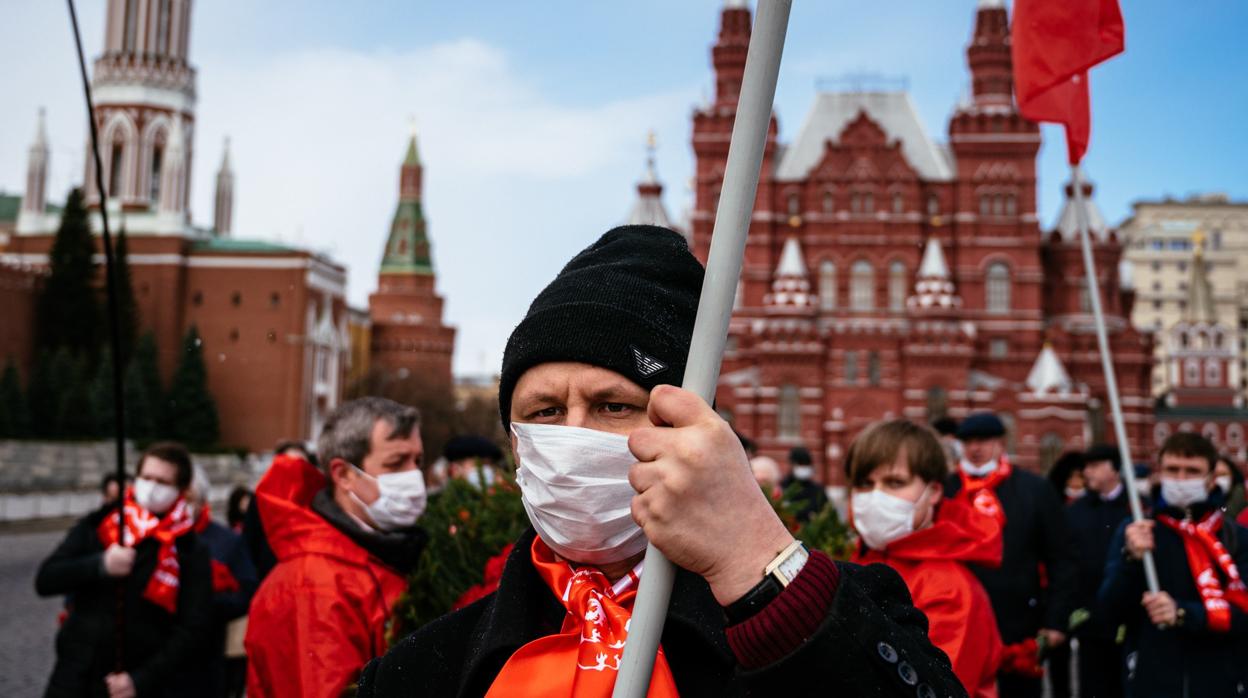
(28,623)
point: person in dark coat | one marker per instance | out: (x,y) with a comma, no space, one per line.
(610,455)
(165,617)
(799,486)
(1036,538)
(1190,638)
(1094,518)
(256,540)
(1066,477)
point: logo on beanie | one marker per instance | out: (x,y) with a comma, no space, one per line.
(646,365)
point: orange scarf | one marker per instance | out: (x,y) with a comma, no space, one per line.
(584,658)
(1204,553)
(981,492)
(141,524)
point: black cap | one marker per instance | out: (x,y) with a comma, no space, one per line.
(1101,452)
(461,447)
(981,425)
(945,426)
(626,303)
(798,455)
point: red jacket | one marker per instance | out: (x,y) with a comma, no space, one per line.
(960,618)
(321,614)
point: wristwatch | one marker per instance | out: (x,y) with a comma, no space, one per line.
(777,575)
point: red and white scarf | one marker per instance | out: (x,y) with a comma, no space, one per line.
(141,524)
(1205,557)
(981,492)
(582,660)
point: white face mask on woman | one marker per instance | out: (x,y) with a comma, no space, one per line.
(156,497)
(574,485)
(882,518)
(400,501)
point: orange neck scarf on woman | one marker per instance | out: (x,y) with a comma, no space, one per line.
(582,660)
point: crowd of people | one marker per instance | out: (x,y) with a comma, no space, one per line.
(968,574)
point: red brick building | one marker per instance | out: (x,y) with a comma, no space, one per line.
(272,318)
(408,338)
(888,275)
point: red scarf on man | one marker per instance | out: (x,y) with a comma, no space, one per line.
(141,524)
(584,657)
(981,492)
(1204,553)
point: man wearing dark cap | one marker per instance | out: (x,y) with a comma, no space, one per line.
(610,455)
(1035,536)
(1093,519)
(472,458)
(800,488)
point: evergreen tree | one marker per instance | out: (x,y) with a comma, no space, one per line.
(42,400)
(74,418)
(103,414)
(140,421)
(128,306)
(192,412)
(144,391)
(14,417)
(67,314)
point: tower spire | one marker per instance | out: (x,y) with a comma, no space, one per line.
(992,80)
(34,199)
(933,289)
(1200,305)
(411,171)
(728,54)
(407,249)
(223,214)
(648,209)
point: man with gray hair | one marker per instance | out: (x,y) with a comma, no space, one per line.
(345,537)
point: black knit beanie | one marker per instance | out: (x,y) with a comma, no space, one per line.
(626,303)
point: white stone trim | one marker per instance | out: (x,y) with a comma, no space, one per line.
(113,94)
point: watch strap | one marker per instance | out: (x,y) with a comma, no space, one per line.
(761,594)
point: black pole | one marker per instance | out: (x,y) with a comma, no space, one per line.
(114,326)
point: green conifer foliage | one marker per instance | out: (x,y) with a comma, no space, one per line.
(67,313)
(14,417)
(42,400)
(192,411)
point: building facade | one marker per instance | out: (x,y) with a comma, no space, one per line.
(887,275)
(1159,237)
(272,318)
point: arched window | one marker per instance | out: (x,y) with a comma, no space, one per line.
(795,204)
(829,201)
(116,162)
(1096,421)
(998,278)
(868,203)
(1191,372)
(851,367)
(899,203)
(1161,432)
(1011,205)
(1210,431)
(998,205)
(937,403)
(158,156)
(861,286)
(897,286)
(873,368)
(789,415)
(985,205)
(1213,373)
(933,205)
(1051,446)
(827,285)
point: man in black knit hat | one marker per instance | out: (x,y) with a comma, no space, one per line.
(610,455)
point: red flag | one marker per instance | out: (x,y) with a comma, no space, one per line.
(1054,43)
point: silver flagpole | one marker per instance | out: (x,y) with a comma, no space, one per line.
(1107,365)
(710,329)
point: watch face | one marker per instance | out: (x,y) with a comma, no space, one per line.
(793,564)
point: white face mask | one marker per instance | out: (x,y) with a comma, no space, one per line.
(1224,483)
(1183,493)
(153,496)
(480,478)
(882,518)
(803,472)
(1074,492)
(574,485)
(977,470)
(401,499)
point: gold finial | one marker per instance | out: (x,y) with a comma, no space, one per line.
(652,140)
(1198,242)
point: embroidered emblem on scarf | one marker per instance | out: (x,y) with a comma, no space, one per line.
(141,524)
(583,659)
(981,492)
(1205,557)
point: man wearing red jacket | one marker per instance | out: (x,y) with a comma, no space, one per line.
(897,470)
(344,544)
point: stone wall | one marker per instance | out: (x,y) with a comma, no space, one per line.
(41,479)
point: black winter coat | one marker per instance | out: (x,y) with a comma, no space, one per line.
(1035,534)
(872,629)
(1093,522)
(1188,661)
(159,647)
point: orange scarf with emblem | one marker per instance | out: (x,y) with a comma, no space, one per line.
(141,524)
(1206,556)
(981,492)
(583,659)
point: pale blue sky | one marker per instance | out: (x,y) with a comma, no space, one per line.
(533,115)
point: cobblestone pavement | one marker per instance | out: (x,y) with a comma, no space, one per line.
(27,623)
